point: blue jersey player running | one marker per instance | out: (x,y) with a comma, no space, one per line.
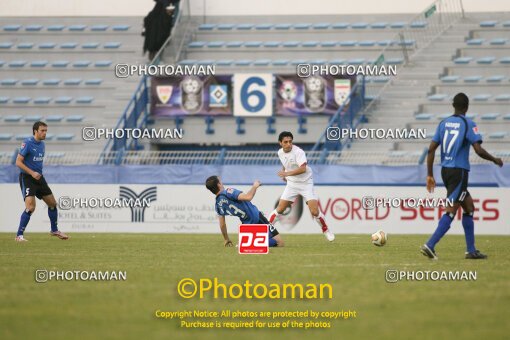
(455,135)
(31,180)
(233,202)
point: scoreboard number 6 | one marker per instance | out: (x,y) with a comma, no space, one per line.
(253,95)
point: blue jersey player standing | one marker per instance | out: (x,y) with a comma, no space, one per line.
(455,135)
(233,202)
(31,180)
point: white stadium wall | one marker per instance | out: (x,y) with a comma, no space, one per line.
(232,7)
(190,209)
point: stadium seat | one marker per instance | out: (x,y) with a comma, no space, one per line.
(39,63)
(462,60)
(33,28)
(72,81)
(206,62)
(121,27)
(489,116)
(25,46)
(329,43)
(188,62)
(4,99)
(51,82)
(5,137)
(17,63)
(234,44)
(486,60)
(11,28)
(398,24)
(302,26)
(112,44)
(69,45)
(30,82)
(359,25)
(77,28)
(498,134)
(47,46)
(340,25)
(488,23)
(423,116)
(263,26)
(224,62)
(50,136)
(270,121)
(33,118)
(262,62)
(505,23)
(99,28)
(6,45)
(243,62)
(385,42)
(381,79)
(502,97)
(321,26)
(95,81)
(379,25)
(348,43)
(55,28)
(42,100)
(450,79)
(240,129)
(84,100)
(298,61)
(75,118)
(206,27)
(13,118)
(282,26)
(471,116)
(54,118)
(9,82)
(312,43)
(367,43)
(209,121)
(507,116)
(394,61)
(272,44)
(21,100)
(504,60)
(498,41)
(475,42)
(90,45)
(253,44)
(437,97)
(65,136)
(495,79)
(318,62)
(60,63)
(356,61)
(102,63)
(418,24)
(280,62)
(2,63)
(244,27)
(197,44)
(292,43)
(337,62)
(22,136)
(81,63)
(472,79)
(63,100)
(481,97)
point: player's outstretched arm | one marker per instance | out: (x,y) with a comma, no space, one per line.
(481,152)
(223,227)
(298,171)
(20,163)
(251,193)
(431,182)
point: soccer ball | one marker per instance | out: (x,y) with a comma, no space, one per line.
(379,238)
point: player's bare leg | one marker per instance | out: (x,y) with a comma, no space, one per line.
(468,208)
(313,205)
(282,205)
(53,215)
(25,218)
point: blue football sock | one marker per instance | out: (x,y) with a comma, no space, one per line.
(442,228)
(469,232)
(272,242)
(23,222)
(53,215)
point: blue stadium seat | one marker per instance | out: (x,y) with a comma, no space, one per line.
(42,100)
(253,44)
(224,62)
(25,46)
(65,136)
(498,134)
(75,118)
(13,118)
(348,43)
(81,63)
(197,44)
(329,43)
(488,23)
(54,118)
(2,63)
(33,28)
(340,25)
(33,118)
(263,26)
(11,28)
(9,82)
(72,81)
(507,116)
(498,41)
(6,45)
(302,26)
(4,99)
(188,62)
(30,82)
(22,136)
(243,62)
(103,63)
(423,116)
(17,63)
(495,79)
(489,116)
(504,60)
(379,25)
(244,27)
(51,82)
(437,97)
(112,44)
(262,62)
(475,42)
(205,62)
(298,61)
(206,27)
(225,27)
(90,45)
(69,45)
(282,26)
(486,60)
(472,79)
(292,43)
(77,28)
(359,25)
(337,62)
(47,46)
(322,25)
(84,100)
(234,44)
(406,42)
(450,79)
(385,42)
(95,81)
(50,136)
(471,116)
(481,97)
(502,97)
(121,27)
(5,137)
(505,23)
(60,63)
(39,63)
(381,79)
(99,28)
(318,62)
(21,100)
(214,44)
(398,24)
(240,129)
(418,24)
(63,100)
(367,43)
(272,44)
(55,28)
(280,62)
(462,60)
(311,43)
(394,61)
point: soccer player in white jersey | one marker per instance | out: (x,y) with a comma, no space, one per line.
(298,176)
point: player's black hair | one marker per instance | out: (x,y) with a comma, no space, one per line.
(212,184)
(36,126)
(460,102)
(285,134)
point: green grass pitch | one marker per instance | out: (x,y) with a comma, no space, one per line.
(155,264)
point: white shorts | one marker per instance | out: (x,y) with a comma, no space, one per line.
(293,190)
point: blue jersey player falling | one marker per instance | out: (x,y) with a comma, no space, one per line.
(455,135)
(233,202)
(32,182)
